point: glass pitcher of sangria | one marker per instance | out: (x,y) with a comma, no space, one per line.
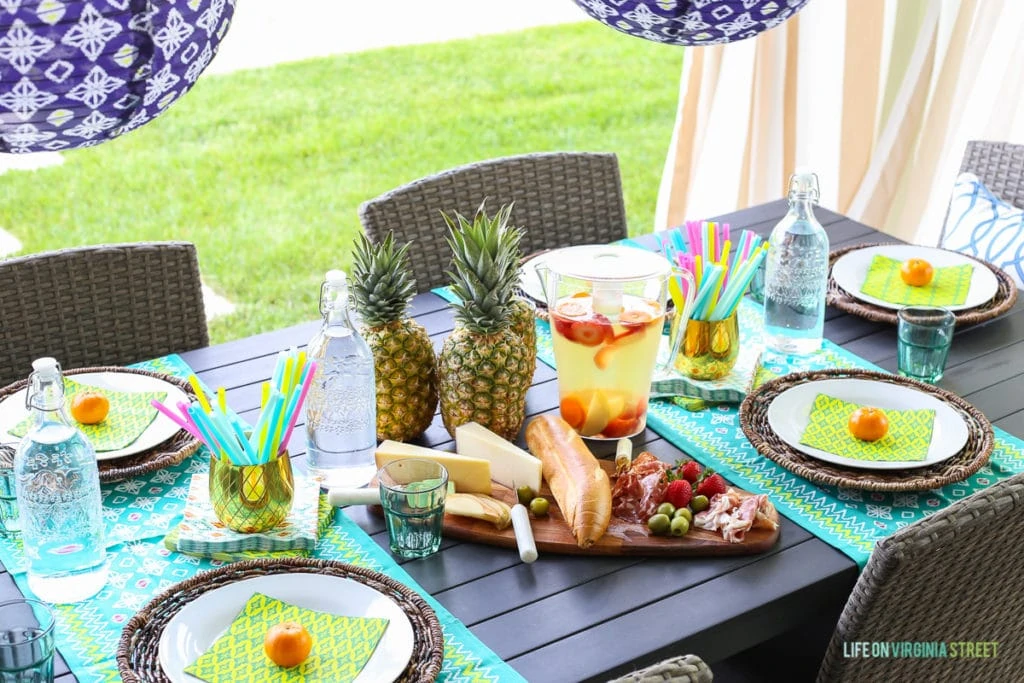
(607,307)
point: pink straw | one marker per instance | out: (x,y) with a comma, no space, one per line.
(298,406)
(184,424)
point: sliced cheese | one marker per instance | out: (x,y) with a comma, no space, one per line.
(470,475)
(510,465)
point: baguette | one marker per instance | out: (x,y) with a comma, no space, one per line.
(575,477)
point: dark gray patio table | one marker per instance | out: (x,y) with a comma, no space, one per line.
(568,618)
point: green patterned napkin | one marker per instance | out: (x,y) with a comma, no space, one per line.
(201,533)
(948,287)
(908,438)
(130,415)
(341,646)
(325,517)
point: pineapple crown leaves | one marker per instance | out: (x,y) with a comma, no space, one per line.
(381,284)
(485,261)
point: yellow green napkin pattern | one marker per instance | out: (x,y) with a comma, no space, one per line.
(949,286)
(130,415)
(908,438)
(341,646)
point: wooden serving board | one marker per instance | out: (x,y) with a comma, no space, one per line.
(553,535)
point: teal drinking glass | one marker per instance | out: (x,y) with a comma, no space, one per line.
(412,492)
(925,334)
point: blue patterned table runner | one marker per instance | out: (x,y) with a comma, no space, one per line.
(139,513)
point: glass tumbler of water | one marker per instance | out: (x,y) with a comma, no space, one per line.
(925,334)
(412,492)
(9,525)
(26,642)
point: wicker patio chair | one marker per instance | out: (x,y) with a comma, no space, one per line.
(684,669)
(952,577)
(99,305)
(1000,166)
(561,198)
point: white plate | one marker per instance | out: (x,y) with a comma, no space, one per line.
(789,412)
(13,411)
(851,268)
(530,280)
(198,624)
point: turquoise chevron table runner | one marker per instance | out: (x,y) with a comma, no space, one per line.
(140,512)
(850,520)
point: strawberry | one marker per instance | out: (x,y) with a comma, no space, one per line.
(590,332)
(711,486)
(563,326)
(679,493)
(690,471)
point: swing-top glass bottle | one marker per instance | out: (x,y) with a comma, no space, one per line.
(341,410)
(796,273)
(57,484)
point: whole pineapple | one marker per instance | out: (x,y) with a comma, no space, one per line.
(402,352)
(484,369)
(524,325)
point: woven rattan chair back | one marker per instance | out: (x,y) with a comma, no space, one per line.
(560,199)
(1000,166)
(100,305)
(952,577)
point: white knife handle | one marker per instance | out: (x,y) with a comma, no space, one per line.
(365,496)
(524,534)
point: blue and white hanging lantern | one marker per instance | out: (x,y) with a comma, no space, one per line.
(692,22)
(75,74)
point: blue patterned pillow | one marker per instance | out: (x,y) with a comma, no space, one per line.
(983,225)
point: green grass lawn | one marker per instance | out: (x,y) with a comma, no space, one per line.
(265,170)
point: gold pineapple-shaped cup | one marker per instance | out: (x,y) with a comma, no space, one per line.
(252,498)
(710,348)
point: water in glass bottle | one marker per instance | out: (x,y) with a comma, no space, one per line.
(341,409)
(796,273)
(57,484)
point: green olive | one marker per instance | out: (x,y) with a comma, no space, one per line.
(684,512)
(525,494)
(699,503)
(679,526)
(667,509)
(539,507)
(659,524)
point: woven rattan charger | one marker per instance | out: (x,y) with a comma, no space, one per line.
(1005,297)
(138,656)
(971,458)
(166,454)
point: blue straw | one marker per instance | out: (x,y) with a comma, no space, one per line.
(250,452)
(274,429)
(211,442)
(207,427)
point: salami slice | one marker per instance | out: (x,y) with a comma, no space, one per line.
(638,491)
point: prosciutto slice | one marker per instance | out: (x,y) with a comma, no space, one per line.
(734,515)
(638,491)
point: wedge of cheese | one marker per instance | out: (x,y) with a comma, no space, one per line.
(470,475)
(510,465)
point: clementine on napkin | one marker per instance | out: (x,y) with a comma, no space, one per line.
(907,439)
(238,655)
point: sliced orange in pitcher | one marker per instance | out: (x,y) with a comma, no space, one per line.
(573,411)
(571,309)
(635,317)
(622,426)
